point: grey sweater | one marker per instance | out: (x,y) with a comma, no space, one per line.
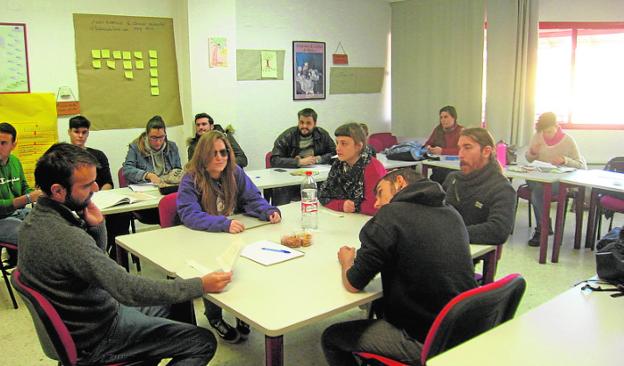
(65,260)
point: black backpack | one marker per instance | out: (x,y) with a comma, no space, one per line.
(610,257)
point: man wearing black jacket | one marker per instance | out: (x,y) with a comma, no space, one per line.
(205,123)
(420,246)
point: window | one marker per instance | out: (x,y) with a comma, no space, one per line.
(580,73)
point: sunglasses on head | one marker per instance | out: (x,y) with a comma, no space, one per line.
(223,152)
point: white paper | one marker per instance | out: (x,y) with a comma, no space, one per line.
(227,260)
(143,187)
(267,252)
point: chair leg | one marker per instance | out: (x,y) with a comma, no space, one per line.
(513,225)
(529,201)
(611,222)
(136,261)
(8,285)
(132,225)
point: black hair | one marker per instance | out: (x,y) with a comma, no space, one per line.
(58,163)
(409,174)
(308,112)
(204,115)
(353,130)
(155,123)
(6,127)
(79,122)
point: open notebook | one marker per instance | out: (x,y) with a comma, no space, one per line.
(110,198)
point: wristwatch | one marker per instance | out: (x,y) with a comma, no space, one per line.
(28,199)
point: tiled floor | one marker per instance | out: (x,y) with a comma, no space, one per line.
(20,346)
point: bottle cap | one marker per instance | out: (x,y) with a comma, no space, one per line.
(308,173)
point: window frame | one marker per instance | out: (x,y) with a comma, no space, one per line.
(574,27)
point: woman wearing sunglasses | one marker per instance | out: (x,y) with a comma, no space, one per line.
(214,188)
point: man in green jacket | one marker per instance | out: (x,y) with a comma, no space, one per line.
(15,193)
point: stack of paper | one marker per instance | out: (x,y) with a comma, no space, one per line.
(267,252)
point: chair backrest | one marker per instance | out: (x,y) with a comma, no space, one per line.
(267,159)
(122,178)
(381,140)
(473,312)
(54,336)
(616,164)
(167,210)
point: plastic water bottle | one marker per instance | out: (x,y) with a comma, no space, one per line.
(309,203)
(501,153)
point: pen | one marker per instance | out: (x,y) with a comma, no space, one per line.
(276,250)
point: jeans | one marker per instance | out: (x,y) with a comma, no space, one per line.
(212,311)
(9,226)
(537,199)
(144,335)
(374,336)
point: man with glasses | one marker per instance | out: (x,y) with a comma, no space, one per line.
(151,155)
(204,123)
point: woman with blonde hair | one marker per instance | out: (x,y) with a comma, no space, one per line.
(212,189)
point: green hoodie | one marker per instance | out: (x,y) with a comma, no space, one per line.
(12,184)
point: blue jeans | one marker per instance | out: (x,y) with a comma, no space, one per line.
(340,340)
(145,335)
(11,224)
(537,199)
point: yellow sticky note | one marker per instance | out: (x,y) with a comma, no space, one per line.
(117,55)
(153,54)
(153,81)
(154,73)
(96,64)
(155,90)
(129,74)
(110,64)
(138,54)
(127,65)
(96,54)
(105,53)
(139,64)
(153,62)
(126,55)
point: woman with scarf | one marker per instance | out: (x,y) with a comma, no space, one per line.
(214,188)
(550,144)
(350,186)
(443,140)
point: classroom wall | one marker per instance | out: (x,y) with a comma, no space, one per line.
(596,146)
(260,110)
(51,54)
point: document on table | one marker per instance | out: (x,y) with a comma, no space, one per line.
(267,252)
(110,198)
(143,187)
(248,221)
(227,260)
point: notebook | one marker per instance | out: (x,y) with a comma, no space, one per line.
(248,221)
(110,198)
(267,252)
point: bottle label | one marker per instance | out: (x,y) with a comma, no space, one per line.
(309,207)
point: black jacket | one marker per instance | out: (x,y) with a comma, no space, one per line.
(239,154)
(286,147)
(486,201)
(420,245)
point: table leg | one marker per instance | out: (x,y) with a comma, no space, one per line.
(591,220)
(580,202)
(122,257)
(274,351)
(559,221)
(545,223)
(425,170)
(490,261)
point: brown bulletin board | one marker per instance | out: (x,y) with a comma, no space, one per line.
(114,96)
(248,65)
(355,80)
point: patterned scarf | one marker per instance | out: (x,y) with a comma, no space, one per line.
(346,182)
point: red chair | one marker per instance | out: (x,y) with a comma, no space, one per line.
(609,204)
(5,274)
(54,337)
(467,315)
(267,160)
(382,140)
(167,210)
(268,193)
(524,192)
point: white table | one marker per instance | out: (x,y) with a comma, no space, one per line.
(575,328)
(282,177)
(582,179)
(394,164)
(275,299)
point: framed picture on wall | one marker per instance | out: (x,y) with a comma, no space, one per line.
(308,70)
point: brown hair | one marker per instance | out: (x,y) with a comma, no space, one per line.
(484,138)
(546,120)
(206,186)
(353,130)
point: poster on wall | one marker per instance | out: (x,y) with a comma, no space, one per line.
(308,70)
(13,59)
(218,52)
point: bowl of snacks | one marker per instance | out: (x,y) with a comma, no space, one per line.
(297,240)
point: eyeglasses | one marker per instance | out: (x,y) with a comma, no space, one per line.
(157,138)
(223,152)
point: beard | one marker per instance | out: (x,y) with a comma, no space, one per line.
(75,204)
(308,132)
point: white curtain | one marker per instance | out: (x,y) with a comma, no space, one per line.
(437,60)
(512,34)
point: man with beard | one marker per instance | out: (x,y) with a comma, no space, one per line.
(420,246)
(300,146)
(480,192)
(62,256)
(204,123)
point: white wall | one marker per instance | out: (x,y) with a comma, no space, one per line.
(52,58)
(600,145)
(260,110)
